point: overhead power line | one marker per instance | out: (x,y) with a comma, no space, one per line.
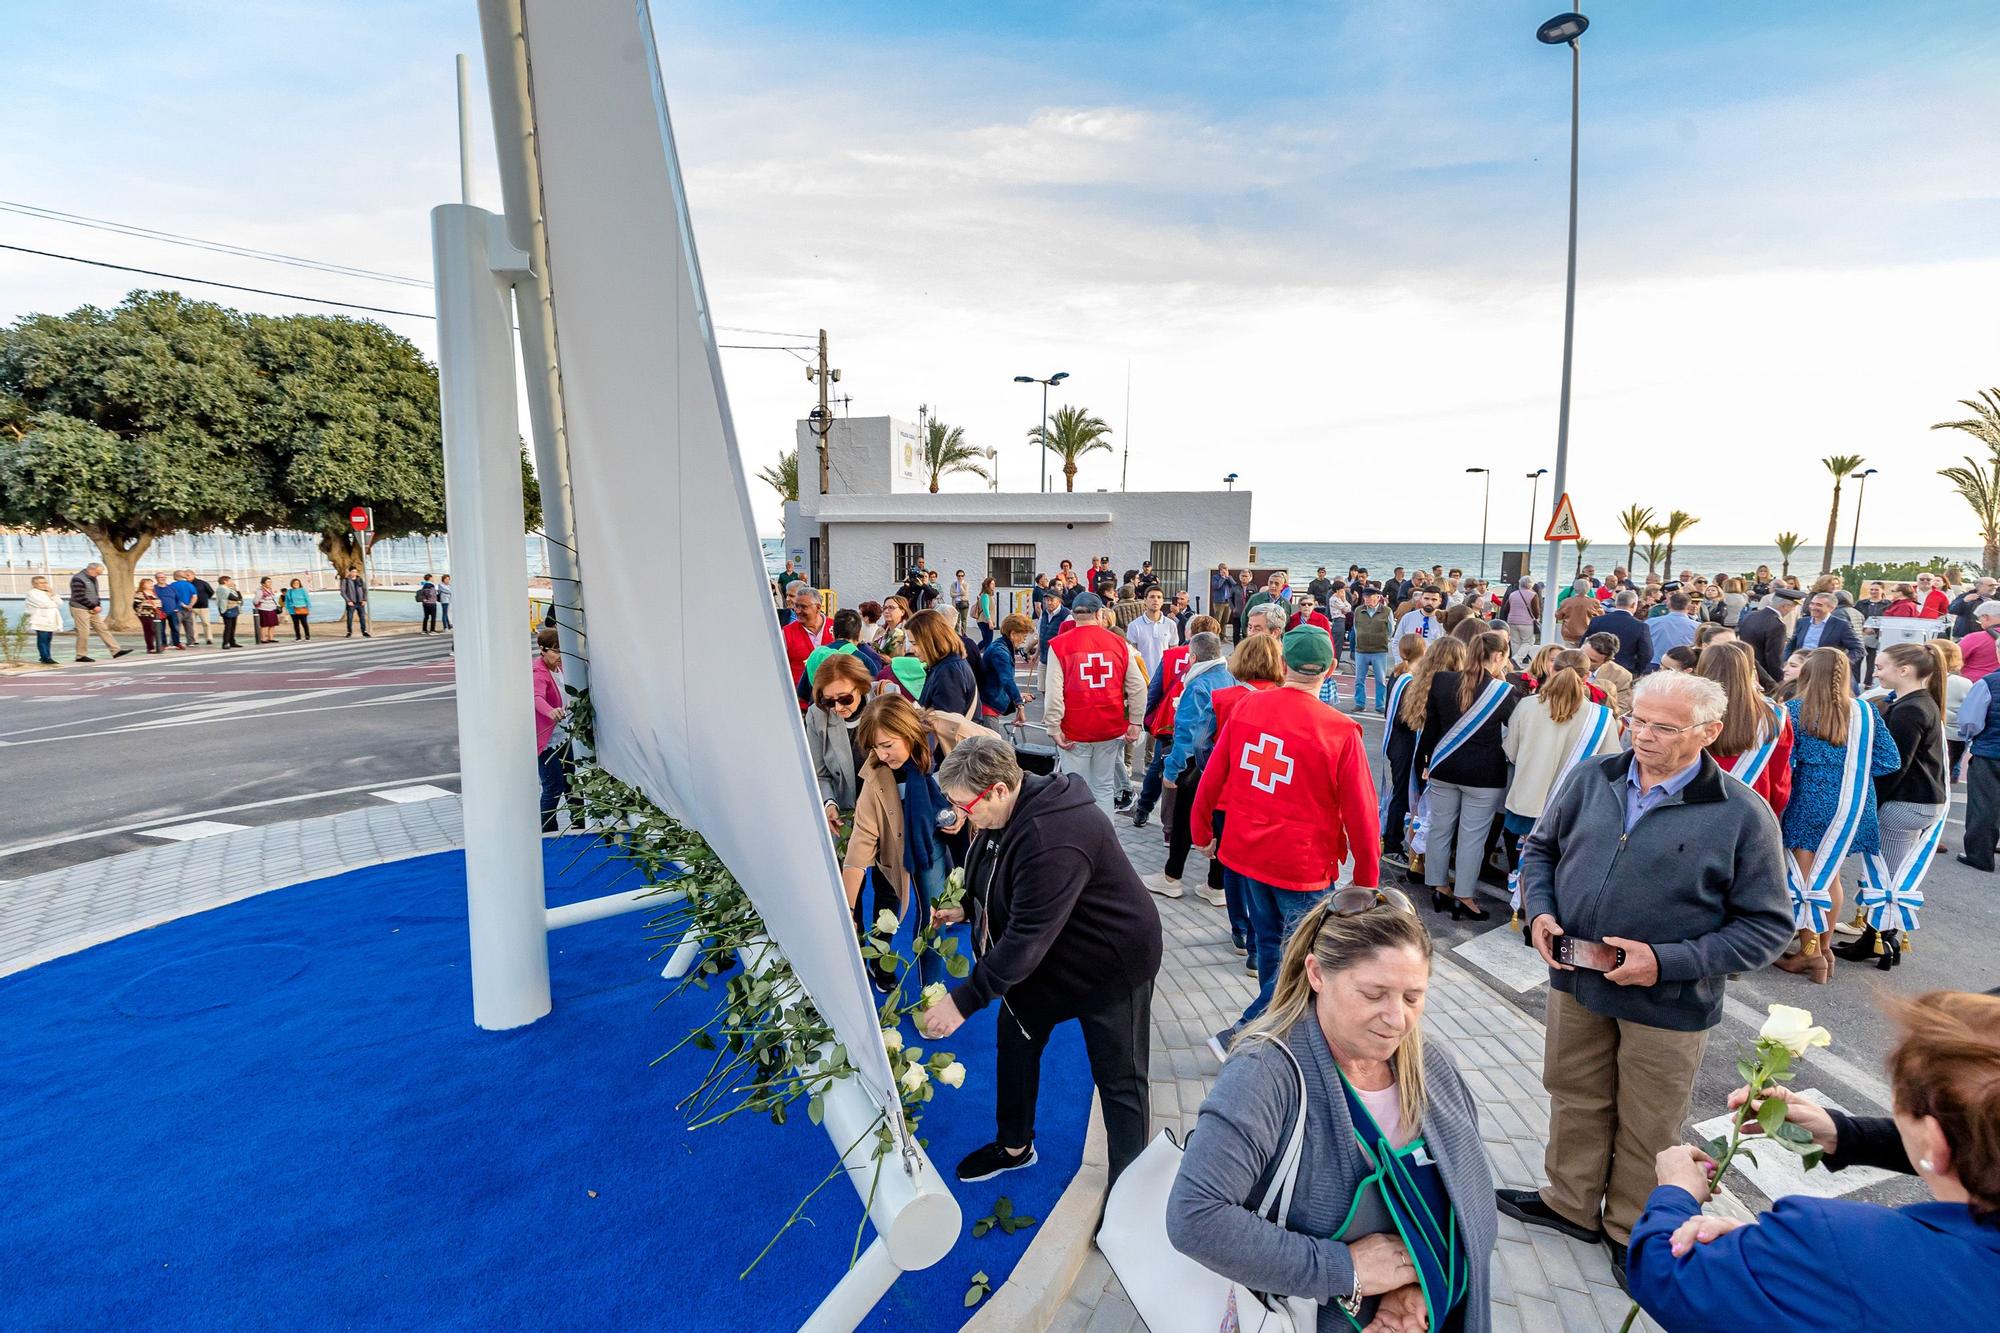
(198,243)
(210,282)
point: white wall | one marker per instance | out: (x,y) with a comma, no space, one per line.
(865,456)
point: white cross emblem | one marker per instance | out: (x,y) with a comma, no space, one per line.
(1267,763)
(1101,663)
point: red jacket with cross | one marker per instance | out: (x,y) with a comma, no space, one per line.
(1294,777)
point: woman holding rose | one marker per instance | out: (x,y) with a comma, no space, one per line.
(1839,1263)
(1392,1220)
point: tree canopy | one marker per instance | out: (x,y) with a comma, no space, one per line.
(167,414)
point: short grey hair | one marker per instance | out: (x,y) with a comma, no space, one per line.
(1273,614)
(1206,647)
(1705,699)
(792,588)
(1625,600)
(1986,609)
(978,762)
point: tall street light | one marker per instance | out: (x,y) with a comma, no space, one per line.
(1534,499)
(1859,496)
(1056,378)
(1563,30)
(1485,508)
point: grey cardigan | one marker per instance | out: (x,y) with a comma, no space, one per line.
(1700,877)
(832,757)
(1244,1125)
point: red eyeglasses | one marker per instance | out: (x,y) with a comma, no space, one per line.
(967,807)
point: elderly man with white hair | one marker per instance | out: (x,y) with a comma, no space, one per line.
(1651,876)
(1266,618)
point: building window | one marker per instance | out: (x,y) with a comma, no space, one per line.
(908,555)
(1011,565)
(1170,562)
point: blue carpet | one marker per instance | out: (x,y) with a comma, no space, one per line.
(279,1115)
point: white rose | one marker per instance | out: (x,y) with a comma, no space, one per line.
(1792,1028)
(955,880)
(915,1077)
(933,993)
(892,1039)
(952,1075)
(885,922)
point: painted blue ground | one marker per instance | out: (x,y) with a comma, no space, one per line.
(279,1115)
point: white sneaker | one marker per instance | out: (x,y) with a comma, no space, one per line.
(1214,897)
(1166,888)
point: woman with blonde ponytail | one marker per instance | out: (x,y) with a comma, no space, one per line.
(1392,1210)
(1409,705)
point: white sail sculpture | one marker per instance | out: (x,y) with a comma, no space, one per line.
(595,257)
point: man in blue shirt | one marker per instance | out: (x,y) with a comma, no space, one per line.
(1675,629)
(173,595)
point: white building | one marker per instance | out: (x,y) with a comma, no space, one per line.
(880,518)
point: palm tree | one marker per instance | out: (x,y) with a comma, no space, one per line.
(1841,466)
(1633,521)
(1070,434)
(1653,531)
(1985,420)
(1981,488)
(784,478)
(1788,542)
(1582,545)
(945,451)
(1677,522)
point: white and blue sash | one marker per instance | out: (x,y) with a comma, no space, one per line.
(1892,896)
(1471,721)
(1812,895)
(1750,765)
(1588,739)
(1396,689)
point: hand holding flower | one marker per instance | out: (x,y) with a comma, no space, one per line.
(1690,1168)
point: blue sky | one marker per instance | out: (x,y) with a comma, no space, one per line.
(1326,238)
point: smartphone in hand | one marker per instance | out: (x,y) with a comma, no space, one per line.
(1591,954)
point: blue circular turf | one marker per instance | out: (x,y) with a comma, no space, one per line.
(211,980)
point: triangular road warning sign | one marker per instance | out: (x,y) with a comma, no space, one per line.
(1562,524)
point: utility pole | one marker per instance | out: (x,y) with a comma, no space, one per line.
(821,420)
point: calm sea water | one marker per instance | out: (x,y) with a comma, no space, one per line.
(1302,558)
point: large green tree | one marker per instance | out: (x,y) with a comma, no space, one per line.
(1070,434)
(128,424)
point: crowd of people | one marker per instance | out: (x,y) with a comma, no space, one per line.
(1668,794)
(182,609)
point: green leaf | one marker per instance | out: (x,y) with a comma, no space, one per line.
(1790,1133)
(982,1226)
(957,967)
(1747,1072)
(1025,1221)
(702,1041)
(1003,1208)
(1715,1148)
(1771,1116)
(815,1109)
(973,1296)
(982,1279)
(1810,1159)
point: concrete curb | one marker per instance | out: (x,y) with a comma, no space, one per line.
(1040,1283)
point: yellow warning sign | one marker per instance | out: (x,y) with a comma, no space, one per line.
(1562,524)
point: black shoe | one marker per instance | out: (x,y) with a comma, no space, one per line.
(1464,911)
(92,659)
(1892,951)
(1859,949)
(1965,860)
(121,652)
(990,1161)
(1396,859)
(1140,818)
(1238,943)
(1440,901)
(1618,1263)
(1250,963)
(1122,801)
(1527,1206)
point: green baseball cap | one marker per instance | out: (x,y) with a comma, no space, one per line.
(1308,648)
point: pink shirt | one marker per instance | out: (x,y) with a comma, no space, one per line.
(548,700)
(1981,656)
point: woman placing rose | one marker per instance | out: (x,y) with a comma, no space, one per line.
(1838,1263)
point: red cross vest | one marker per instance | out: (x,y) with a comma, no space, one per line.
(1173,670)
(1093,662)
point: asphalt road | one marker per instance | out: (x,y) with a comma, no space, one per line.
(95,755)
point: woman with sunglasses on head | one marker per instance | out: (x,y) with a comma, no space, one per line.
(1392,1220)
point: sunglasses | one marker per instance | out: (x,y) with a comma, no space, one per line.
(1353,901)
(833,701)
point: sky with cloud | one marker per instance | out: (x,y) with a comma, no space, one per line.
(1324,240)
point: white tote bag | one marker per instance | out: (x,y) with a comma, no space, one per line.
(1172,1292)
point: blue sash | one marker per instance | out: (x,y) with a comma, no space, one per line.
(1395,703)
(1892,895)
(1411,1188)
(1474,718)
(1750,765)
(1812,895)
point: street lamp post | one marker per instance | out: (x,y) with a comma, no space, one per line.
(1562,30)
(1056,378)
(993,457)
(1860,495)
(1485,509)
(1534,499)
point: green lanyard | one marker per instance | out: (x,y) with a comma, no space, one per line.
(1443,1273)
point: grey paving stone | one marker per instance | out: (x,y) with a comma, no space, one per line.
(1539,1315)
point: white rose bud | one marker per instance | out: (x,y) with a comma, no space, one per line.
(892,1039)
(915,1077)
(885,922)
(1792,1028)
(933,993)
(952,1075)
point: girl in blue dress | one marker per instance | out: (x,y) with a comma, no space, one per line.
(1821,714)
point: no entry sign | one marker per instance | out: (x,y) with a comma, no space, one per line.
(360,518)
